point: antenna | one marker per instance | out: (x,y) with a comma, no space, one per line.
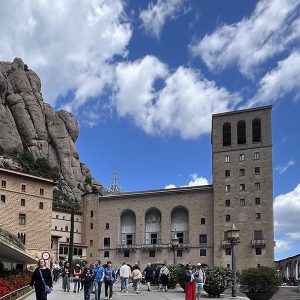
(115,187)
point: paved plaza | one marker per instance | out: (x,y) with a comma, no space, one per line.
(176,294)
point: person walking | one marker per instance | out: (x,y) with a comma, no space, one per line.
(98,273)
(55,271)
(87,281)
(77,277)
(190,284)
(164,277)
(199,278)
(149,273)
(125,272)
(136,278)
(40,278)
(110,278)
(66,274)
(157,279)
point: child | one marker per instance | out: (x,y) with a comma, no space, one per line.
(87,280)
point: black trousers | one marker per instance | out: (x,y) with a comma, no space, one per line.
(40,293)
(110,285)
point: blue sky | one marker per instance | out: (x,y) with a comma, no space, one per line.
(144,77)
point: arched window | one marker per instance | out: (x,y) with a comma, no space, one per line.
(153,227)
(256,131)
(180,224)
(226,134)
(128,227)
(241,132)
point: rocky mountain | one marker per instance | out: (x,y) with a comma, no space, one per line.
(29,124)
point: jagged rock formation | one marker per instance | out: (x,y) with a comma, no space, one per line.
(28,123)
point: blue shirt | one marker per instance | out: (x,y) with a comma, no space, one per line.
(110,274)
(98,273)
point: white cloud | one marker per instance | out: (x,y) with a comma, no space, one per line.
(279,82)
(155,16)
(286,214)
(195,181)
(162,102)
(70,44)
(282,245)
(283,168)
(272,27)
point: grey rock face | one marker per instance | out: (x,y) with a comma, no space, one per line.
(28,123)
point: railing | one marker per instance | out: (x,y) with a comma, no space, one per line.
(127,247)
(152,246)
(258,243)
(226,244)
(16,293)
(181,246)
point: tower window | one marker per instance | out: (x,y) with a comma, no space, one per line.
(227,188)
(257,216)
(151,253)
(23,188)
(22,219)
(106,242)
(227,251)
(41,192)
(242,157)
(92,213)
(256,155)
(257,170)
(41,205)
(242,187)
(3,183)
(241,132)
(107,226)
(227,158)
(179,253)
(202,252)
(3,198)
(227,202)
(226,134)
(227,173)
(242,202)
(202,221)
(91,225)
(242,172)
(106,254)
(256,131)
(258,251)
(126,253)
(227,218)
(203,239)
(257,201)
(257,186)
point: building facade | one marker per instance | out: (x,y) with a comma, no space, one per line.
(26,209)
(60,235)
(289,267)
(139,226)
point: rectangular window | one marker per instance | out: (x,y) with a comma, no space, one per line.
(92,213)
(242,202)
(91,242)
(3,184)
(227,251)
(22,219)
(80,251)
(106,242)
(153,238)
(92,225)
(258,234)
(129,239)
(257,216)
(55,228)
(41,205)
(106,253)
(151,253)
(257,201)
(22,202)
(3,198)
(227,158)
(227,173)
(242,157)
(41,192)
(202,252)
(180,237)
(257,170)
(179,253)
(242,172)
(75,251)
(107,226)
(126,253)
(23,188)
(61,250)
(203,239)
(202,221)
(91,254)
(242,187)
(227,202)
(227,188)
(256,155)
(258,251)
(257,186)
(227,218)
(56,216)
(22,237)
(66,228)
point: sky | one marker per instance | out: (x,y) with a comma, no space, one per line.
(144,77)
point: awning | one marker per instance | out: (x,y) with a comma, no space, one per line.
(11,253)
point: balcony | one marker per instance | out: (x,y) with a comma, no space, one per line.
(181,246)
(126,247)
(151,247)
(258,243)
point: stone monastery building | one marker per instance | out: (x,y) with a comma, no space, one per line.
(138,227)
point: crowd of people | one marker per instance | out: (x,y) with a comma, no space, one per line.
(91,278)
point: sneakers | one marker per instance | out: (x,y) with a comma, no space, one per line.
(105,298)
(137,292)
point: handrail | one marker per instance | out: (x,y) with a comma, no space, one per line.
(15,291)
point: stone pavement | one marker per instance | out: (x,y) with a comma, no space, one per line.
(176,294)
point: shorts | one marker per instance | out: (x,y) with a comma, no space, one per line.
(199,288)
(149,279)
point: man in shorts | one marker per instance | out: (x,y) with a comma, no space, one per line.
(149,273)
(199,278)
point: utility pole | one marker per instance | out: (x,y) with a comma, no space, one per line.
(71,243)
(115,187)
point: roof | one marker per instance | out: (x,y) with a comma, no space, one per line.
(157,192)
(243,111)
(26,175)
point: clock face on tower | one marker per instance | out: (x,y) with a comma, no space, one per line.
(46,255)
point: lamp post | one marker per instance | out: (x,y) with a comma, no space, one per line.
(234,239)
(175,243)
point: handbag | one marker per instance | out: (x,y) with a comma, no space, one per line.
(47,288)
